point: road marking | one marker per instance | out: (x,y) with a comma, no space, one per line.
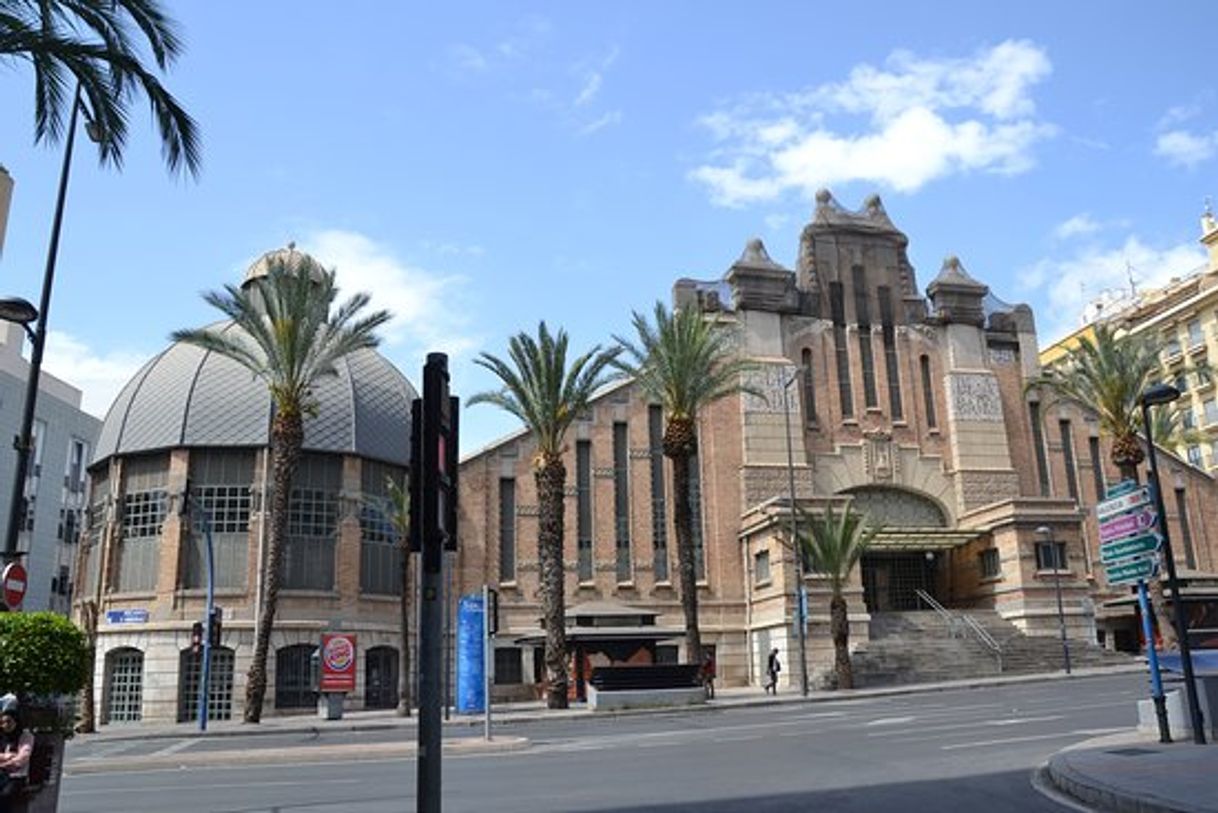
(891,721)
(923,730)
(173,749)
(1030,738)
(102,751)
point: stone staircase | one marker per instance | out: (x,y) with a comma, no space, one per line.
(916,647)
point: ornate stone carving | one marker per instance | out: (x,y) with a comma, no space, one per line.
(1002,355)
(528,511)
(983,488)
(974,397)
(881,458)
(768,382)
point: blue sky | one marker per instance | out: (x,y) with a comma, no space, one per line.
(480,167)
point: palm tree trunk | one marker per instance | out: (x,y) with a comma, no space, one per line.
(405,693)
(1154,587)
(683,525)
(88,617)
(550,477)
(839,630)
(287,437)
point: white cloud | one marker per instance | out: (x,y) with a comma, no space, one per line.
(608,120)
(1077,226)
(1178,115)
(592,86)
(1185,148)
(1068,284)
(99,376)
(777,222)
(922,119)
(426,307)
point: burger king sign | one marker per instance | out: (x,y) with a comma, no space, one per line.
(337,662)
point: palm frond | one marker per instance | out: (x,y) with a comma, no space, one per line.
(834,543)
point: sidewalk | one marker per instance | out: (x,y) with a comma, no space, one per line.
(733,697)
(1135,773)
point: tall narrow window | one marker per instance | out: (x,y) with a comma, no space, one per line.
(583,509)
(695,510)
(621,501)
(928,392)
(659,518)
(809,388)
(862,313)
(1068,458)
(892,369)
(1097,466)
(1038,441)
(837,307)
(1186,533)
(507,529)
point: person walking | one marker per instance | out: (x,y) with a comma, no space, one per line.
(772,668)
(708,674)
(16,746)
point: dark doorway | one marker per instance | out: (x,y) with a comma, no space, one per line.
(891,581)
(381,678)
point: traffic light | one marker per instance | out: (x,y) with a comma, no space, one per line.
(492,611)
(196,638)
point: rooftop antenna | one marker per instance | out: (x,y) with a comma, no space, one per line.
(1133,286)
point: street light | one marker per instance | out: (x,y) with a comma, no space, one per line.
(800,603)
(22,312)
(1047,533)
(1155,396)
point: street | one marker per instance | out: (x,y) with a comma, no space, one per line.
(959,750)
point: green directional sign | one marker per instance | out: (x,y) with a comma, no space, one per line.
(1132,570)
(1120,549)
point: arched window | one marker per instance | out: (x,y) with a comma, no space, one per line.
(219,689)
(381,678)
(294,677)
(897,508)
(809,387)
(124,694)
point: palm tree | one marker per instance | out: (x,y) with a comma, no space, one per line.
(684,363)
(97,44)
(833,546)
(546,395)
(285,331)
(1107,376)
(398,512)
(1168,429)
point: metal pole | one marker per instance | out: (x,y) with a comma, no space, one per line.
(1177,600)
(1057,587)
(22,442)
(487,660)
(205,671)
(800,608)
(449,641)
(1152,660)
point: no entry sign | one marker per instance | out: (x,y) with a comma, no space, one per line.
(12,583)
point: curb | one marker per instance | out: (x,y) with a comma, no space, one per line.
(1081,788)
(504,716)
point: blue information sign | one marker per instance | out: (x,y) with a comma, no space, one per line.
(470,660)
(126,616)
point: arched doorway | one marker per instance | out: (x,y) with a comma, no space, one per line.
(219,689)
(381,678)
(894,576)
(124,690)
(294,677)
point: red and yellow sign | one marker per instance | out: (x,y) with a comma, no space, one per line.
(338,661)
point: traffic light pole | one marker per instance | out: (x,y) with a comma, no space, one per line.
(209,618)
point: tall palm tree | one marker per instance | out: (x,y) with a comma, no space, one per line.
(98,45)
(547,394)
(684,363)
(398,511)
(833,546)
(1107,376)
(285,330)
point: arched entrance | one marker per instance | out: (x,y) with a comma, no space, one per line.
(894,574)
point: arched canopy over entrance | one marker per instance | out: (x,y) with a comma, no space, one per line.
(897,507)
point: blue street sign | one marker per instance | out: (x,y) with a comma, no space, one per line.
(126,616)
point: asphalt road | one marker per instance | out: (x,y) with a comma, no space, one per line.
(965,750)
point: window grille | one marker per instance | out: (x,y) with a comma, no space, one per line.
(509,666)
(124,686)
(659,518)
(293,677)
(381,678)
(621,501)
(583,509)
(227,508)
(219,685)
(380,547)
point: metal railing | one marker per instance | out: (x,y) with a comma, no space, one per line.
(958,624)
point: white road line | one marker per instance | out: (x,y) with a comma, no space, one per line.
(103,751)
(923,730)
(956,746)
(173,749)
(890,721)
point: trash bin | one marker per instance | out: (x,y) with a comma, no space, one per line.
(330,705)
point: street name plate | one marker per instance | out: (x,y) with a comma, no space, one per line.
(1124,525)
(1123,487)
(1125,502)
(1120,549)
(1132,571)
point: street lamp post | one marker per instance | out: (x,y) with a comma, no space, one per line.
(1154,396)
(800,603)
(1047,533)
(38,341)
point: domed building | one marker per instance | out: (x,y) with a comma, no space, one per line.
(188,438)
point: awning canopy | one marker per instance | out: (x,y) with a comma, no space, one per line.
(589,634)
(921,539)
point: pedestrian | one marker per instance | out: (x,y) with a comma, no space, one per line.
(16,746)
(708,673)
(772,668)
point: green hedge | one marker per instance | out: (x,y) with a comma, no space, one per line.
(41,654)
